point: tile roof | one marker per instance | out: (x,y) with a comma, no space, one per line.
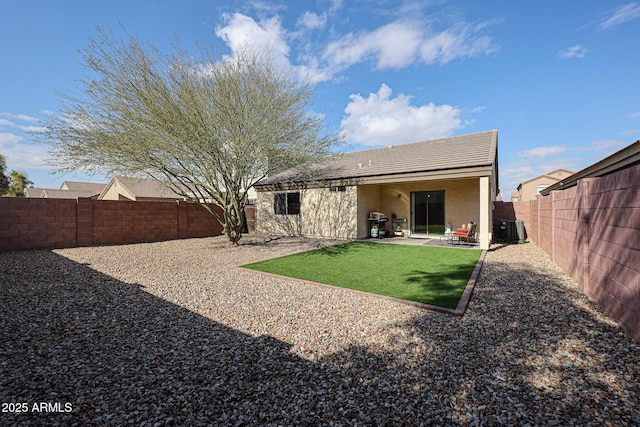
(456,152)
(82,191)
(33,192)
(83,186)
(68,194)
(145,188)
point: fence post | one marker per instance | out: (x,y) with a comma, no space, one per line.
(84,222)
(584,215)
(183,219)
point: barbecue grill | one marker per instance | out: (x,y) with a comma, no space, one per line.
(377,221)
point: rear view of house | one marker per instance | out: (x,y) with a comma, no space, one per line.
(419,187)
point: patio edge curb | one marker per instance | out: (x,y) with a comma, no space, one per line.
(458,311)
(468,291)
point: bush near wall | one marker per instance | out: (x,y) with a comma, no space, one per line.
(592,231)
(27,223)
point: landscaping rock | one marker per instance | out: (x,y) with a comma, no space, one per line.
(173,333)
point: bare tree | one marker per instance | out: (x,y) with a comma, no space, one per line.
(208,126)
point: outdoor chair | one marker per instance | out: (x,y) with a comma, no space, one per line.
(466,235)
(448,235)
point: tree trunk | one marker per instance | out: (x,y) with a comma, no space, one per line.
(233,223)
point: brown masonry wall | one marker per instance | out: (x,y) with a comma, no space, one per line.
(592,231)
(27,223)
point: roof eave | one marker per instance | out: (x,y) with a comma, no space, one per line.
(619,160)
(476,171)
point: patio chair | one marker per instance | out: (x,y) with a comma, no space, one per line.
(448,235)
(466,235)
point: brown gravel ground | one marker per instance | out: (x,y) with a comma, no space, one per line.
(172,333)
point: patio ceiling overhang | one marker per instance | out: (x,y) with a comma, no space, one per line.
(432,175)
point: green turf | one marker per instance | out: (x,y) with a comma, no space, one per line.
(429,275)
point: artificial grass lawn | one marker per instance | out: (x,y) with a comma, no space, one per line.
(429,275)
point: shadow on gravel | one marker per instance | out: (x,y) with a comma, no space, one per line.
(121,356)
(528,351)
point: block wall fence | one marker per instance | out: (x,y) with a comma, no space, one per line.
(592,231)
(30,223)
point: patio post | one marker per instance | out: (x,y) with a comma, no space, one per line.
(485,213)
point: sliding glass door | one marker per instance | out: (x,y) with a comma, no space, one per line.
(427,212)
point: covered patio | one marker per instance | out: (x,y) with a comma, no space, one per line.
(424,210)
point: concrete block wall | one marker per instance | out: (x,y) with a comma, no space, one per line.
(613,250)
(27,223)
(533,227)
(37,223)
(592,231)
(568,233)
(118,222)
(199,222)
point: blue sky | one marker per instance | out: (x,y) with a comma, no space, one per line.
(559,80)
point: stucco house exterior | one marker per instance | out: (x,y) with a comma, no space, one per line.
(422,186)
(531,188)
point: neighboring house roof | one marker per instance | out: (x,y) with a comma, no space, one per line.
(78,189)
(49,193)
(33,192)
(552,175)
(139,188)
(476,150)
(628,156)
(83,186)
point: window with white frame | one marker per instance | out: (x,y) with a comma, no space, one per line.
(541,187)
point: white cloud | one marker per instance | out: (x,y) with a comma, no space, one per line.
(396,45)
(577,51)
(336,5)
(604,147)
(621,15)
(631,132)
(28,128)
(240,31)
(19,117)
(401,43)
(267,35)
(8,140)
(267,7)
(380,119)
(516,173)
(542,152)
(459,41)
(15,145)
(312,20)
(22,156)
(635,115)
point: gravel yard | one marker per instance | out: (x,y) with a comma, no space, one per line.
(172,333)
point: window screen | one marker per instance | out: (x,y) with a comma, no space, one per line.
(286,203)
